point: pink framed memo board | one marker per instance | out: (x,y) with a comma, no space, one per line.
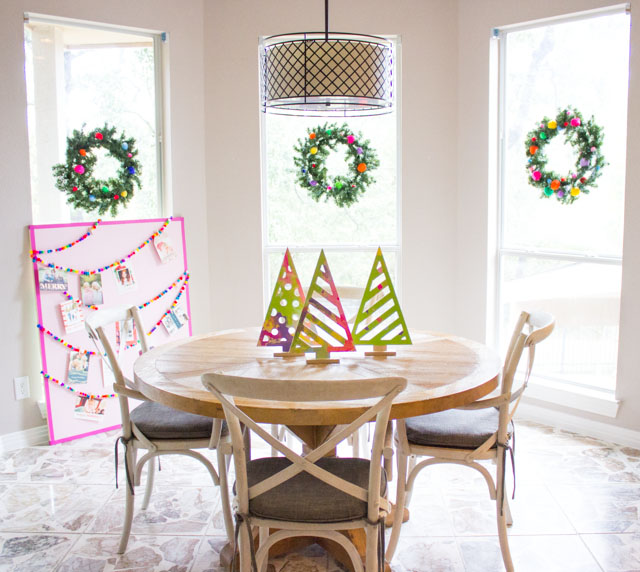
(80,268)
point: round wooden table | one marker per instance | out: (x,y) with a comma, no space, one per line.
(442,372)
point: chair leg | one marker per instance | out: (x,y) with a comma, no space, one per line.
(507,512)
(502,509)
(263,535)
(244,549)
(151,472)
(129,502)
(224,495)
(400,504)
(371,558)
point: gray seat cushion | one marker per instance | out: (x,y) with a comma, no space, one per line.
(158,421)
(304,498)
(454,428)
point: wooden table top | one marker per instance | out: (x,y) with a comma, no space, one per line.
(442,372)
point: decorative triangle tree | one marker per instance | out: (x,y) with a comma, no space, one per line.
(380,321)
(284,309)
(323,326)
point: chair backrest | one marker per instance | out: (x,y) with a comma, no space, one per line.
(227,388)
(531,328)
(95,325)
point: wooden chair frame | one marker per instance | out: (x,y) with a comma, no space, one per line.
(530,329)
(135,440)
(227,388)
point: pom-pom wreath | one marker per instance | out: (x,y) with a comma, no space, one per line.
(585,137)
(75,177)
(311,156)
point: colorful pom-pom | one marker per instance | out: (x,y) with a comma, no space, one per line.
(536,175)
(351,139)
(362,167)
(79,169)
(99,136)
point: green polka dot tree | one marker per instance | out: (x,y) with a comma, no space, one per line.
(284,309)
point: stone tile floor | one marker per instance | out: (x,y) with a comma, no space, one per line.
(576,509)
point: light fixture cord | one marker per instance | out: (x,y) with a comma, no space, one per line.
(326,19)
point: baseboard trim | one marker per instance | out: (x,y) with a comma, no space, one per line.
(578,424)
(27,438)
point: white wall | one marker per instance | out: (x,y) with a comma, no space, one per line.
(19,350)
(429,179)
(476,19)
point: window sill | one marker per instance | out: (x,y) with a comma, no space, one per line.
(600,402)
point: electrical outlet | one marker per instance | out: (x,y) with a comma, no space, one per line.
(21,387)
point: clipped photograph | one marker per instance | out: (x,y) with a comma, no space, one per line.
(175,319)
(88,408)
(126,334)
(78,371)
(72,316)
(91,289)
(164,248)
(124,278)
(52,279)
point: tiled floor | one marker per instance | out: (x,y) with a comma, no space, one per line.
(576,509)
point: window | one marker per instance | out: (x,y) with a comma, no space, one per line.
(79,74)
(566,259)
(350,236)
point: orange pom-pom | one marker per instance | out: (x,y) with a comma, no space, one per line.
(312,136)
(82,152)
(362,167)
(555,184)
(532,150)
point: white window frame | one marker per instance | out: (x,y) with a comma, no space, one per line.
(395,248)
(594,400)
(158,38)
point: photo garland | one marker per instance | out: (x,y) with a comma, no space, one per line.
(71,244)
(35,258)
(311,156)
(75,176)
(586,138)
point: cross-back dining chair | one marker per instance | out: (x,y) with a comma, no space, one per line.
(156,428)
(310,494)
(480,431)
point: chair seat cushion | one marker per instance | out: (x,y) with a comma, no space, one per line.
(305,498)
(158,421)
(454,428)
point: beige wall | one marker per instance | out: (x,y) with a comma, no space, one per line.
(476,19)
(19,350)
(429,94)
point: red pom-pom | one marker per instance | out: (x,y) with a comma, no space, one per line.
(74,189)
(99,136)
(115,197)
(566,123)
(533,139)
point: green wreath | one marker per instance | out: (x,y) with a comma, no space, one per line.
(75,176)
(586,138)
(312,153)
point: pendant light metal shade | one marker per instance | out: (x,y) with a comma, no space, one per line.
(324,74)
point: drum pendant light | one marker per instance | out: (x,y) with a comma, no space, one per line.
(326,74)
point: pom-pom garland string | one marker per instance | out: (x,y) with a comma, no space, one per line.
(71,244)
(115,263)
(184,276)
(63,342)
(173,305)
(80,393)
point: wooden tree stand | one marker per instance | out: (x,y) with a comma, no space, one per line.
(380,351)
